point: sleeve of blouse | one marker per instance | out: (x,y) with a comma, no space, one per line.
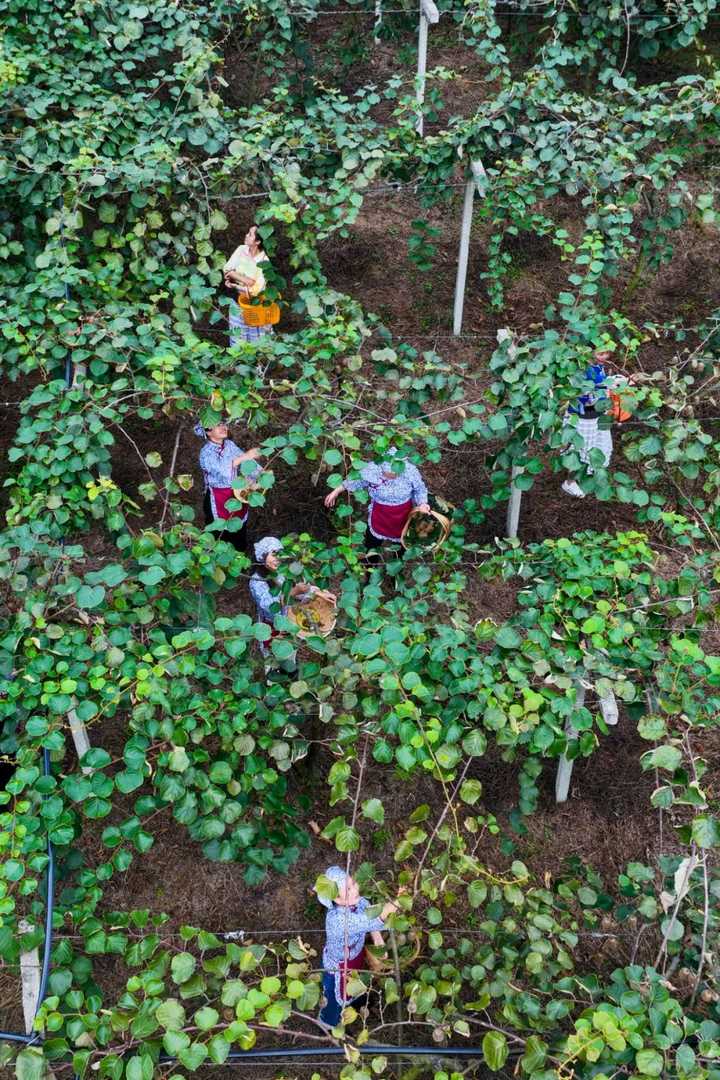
(341,921)
(419,490)
(263,597)
(355,485)
(217,467)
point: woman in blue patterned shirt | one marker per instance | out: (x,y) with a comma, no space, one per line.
(220,459)
(394,487)
(347,924)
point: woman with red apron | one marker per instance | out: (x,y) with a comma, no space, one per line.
(347,924)
(220,459)
(395,487)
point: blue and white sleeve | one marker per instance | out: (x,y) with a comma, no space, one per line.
(263,597)
(419,490)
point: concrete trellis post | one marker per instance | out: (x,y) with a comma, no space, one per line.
(478,179)
(513,510)
(429,16)
(565,766)
(378,21)
(80,737)
(609,710)
(29,978)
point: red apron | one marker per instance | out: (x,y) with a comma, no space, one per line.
(221,497)
(357,964)
(389,521)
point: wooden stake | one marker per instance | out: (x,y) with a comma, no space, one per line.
(429,15)
(80,737)
(565,766)
(479,181)
(29,978)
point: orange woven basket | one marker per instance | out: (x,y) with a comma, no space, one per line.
(260,314)
(619,403)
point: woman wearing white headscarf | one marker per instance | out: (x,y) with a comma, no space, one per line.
(243,276)
(347,924)
(267,592)
(395,487)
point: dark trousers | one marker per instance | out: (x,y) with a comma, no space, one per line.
(372,543)
(332,1009)
(238,539)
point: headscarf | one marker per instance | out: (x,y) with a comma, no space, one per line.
(200,430)
(390,464)
(265,547)
(336,874)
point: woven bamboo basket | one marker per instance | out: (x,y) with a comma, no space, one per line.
(259,314)
(409,946)
(317,618)
(431,530)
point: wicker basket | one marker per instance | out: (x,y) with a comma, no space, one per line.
(619,403)
(259,314)
(386,964)
(317,618)
(412,533)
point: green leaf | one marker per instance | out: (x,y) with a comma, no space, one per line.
(347,839)
(182,966)
(89,596)
(470,791)
(277,1013)
(705,831)
(206,1018)
(508,638)
(495,1050)
(30,1065)
(170,1014)
(649,1062)
(374,810)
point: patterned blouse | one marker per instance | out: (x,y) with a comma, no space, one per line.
(408,484)
(216,462)
(347,925)
(268,603)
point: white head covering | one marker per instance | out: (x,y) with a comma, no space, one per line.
(266,547)
(336,874)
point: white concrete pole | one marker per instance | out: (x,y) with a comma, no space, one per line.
(565,766)
(463,257)
(378,21)
(29,979)
(513,509)
(609,709)
(429,15)
(512,520)
(479,181)
(80,737)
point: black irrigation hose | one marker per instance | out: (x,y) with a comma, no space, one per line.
(339,1051)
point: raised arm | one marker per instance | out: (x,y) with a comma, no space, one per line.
(419,490)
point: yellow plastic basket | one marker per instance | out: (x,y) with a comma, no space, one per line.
(260,314)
